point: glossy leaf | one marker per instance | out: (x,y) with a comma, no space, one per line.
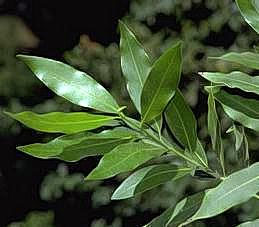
(248,59)
(249,107)
(234,80)
(214,128)
(62,122)
(250,11)
(135,63)
(237,188)
(161,83)
(77,146)
(178,214)
(148,178)
(254,223)
(71,84)
(182,122)
(124,158)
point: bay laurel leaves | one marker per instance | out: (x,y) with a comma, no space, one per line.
(250,11)
(148,178)
(182,122)
(177,214)
(74,147)
(60,122)
(247,106)
(161,83)
(237,188)
(234,79)
(135,63)
(214,127)
(71,84)
(123,158)
(248,59)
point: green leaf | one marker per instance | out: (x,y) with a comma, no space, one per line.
(234,80)
(198,155)
(241,145)
(135,63)
(161,83)
(243,119)
(157,125)
(214,127)
(148,178)
(248,59)
(177,214)
(71,84)
(124,158)
(249,107)
(250,11)
(62,122)
(237,188)
(182,122)
(77,146)
(254,223)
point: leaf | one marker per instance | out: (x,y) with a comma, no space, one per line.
(249,107)
(243,119)
(135,63)
(148,178)
(182,122)
(157,125)
(237,188)
(214,127)
(177,214)
(234,80)
(248,59)
(161,83)
(77,146)
(62,122)
(71,84)
(254,223)
(198,155)
(250,11)
(124,158)
(241,145)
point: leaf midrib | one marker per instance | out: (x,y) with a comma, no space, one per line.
(129,156)
(159,87)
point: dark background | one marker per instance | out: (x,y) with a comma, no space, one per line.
(58,26)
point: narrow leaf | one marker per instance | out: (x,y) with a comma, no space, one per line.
(241,145)
(254,223)
(234,80)
(243,119)
(182,122)
(148,178)
(135,63)
(124,158)
(250,11)
(249,107)
(177,214)
(71,84)
(161,83)
(237,188)
(248,59)
(62,122)
(214,128)
(77,146)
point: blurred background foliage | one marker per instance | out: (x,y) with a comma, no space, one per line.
(208,28)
